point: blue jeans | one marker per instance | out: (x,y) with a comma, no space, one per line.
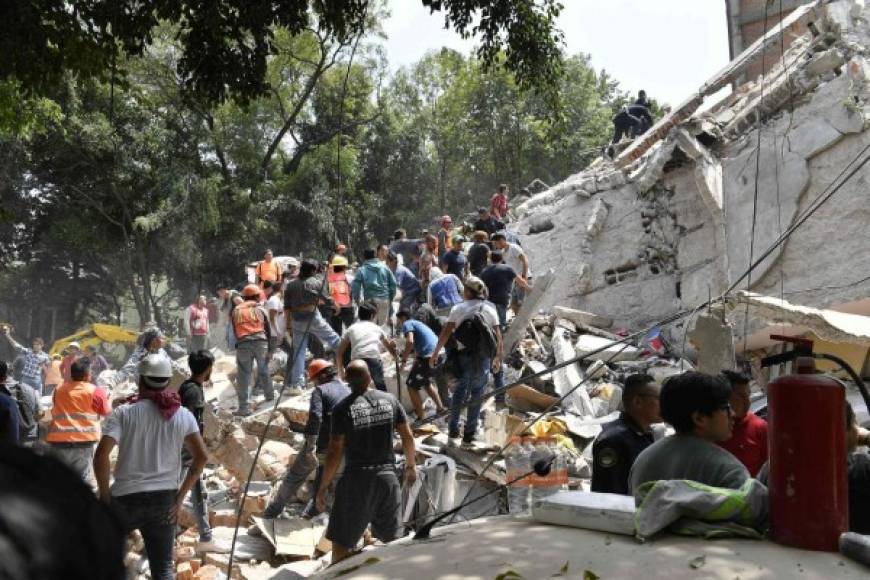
(246,353)
(149,512)
(498,378)
(473,374)
(320,329)
(200,510)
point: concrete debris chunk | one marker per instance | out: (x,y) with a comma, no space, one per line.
(597,348)
(566,378)
(581,317)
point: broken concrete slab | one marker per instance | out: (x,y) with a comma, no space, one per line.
(566,378)
(581,317)
(827,324)
(713,338)
(597,348)
(529,308)
(296,537)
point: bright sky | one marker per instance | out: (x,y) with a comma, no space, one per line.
(668,47)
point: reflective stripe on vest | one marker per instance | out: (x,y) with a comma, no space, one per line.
(73,419)
(339,289)
(246,320)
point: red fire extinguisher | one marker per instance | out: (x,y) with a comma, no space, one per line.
(809,503)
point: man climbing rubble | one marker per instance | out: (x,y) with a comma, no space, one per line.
(193,399)
(697,406)
(479,350)
(301,299)
(369,492)
(514,256)
(149,434)
(77,407)
(632,121)
(36,361)
(420,340)
(366,340)
(621,441)
(328,393)
(253,344)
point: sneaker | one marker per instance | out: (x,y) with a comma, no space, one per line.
(272,512)
(242,413)
(467,441)
(292,391)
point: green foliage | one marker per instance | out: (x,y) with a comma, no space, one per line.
(121,188)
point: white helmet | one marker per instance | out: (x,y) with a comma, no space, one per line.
(155,370)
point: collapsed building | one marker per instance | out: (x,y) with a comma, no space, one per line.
(680,213)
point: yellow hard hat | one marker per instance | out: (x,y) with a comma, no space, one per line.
(339,261)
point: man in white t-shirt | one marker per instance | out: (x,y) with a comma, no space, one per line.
(150,434)
(473,363)
(515,257)
(275,308)
(366,341)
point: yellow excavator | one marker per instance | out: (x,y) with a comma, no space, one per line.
(97,334)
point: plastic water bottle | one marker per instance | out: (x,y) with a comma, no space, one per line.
(517,460)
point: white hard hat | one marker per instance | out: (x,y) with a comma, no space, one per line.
(74,344)
(155,370)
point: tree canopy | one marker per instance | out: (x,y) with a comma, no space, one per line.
(130,191)
(224,45)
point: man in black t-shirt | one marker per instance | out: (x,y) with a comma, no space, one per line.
(478,254)
(486,222)
(369,491)
(500,279)
(193,398)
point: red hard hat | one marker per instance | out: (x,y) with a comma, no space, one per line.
(251,291)
(316,367)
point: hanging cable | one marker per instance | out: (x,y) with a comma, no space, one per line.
(298,351)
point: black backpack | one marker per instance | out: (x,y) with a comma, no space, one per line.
(477,336)
(26,420)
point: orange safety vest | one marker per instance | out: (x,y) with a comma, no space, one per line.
(339,289)
(275,274)
(247,320)
(73,419)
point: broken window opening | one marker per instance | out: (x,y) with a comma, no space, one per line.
(620,274)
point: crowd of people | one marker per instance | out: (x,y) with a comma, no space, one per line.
(448,300)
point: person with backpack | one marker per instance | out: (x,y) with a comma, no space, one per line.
(74,430)
(479,350)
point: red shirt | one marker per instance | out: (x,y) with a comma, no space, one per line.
(748,442)
(498,205)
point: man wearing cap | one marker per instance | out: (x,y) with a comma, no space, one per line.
(301,299)
(486,222)
(328,393)
(369,492)
(73,352)
(253,343)
(150,434)
(445,236)
(474,364)
(77,406)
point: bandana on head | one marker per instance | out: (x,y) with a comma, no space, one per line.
(167,401)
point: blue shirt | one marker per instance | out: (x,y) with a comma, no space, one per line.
(407,282)
(424,339)
(8,420)
(454,263)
